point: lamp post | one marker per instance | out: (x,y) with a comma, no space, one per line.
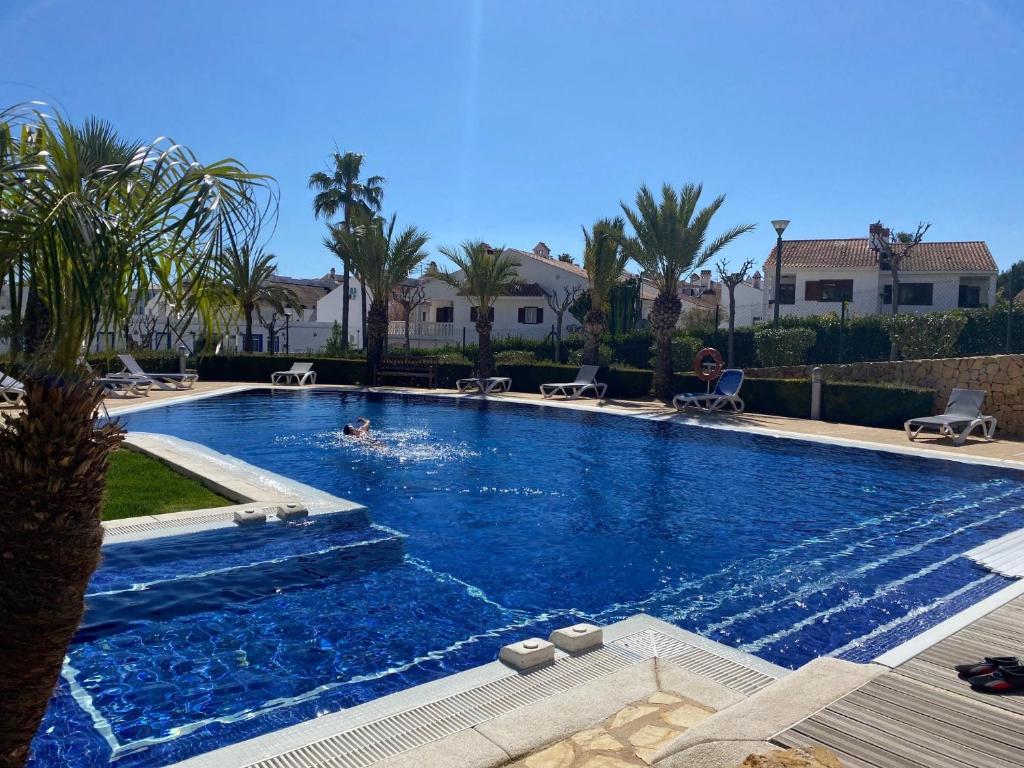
(287,329)
(780,227)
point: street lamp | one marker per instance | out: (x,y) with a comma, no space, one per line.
(287,329)
(780,227)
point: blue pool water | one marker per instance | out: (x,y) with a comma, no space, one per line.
(492,522)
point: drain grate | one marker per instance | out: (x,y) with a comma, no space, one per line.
(367,744)
(728,672)
(159,525)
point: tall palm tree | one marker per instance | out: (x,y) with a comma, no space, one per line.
(384,259)
(669,240)
(605,261)
(245,276)
(484,274)
(340,189)
(85,231)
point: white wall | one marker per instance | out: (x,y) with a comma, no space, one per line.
(749,306)
(329,309)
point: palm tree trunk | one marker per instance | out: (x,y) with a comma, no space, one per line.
(593,328)
(485,355)
(248,331)
(54,464)
(362,299)
(344,286)
(664,315)
(377,330)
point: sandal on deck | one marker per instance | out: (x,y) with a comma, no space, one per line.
(987,667)
(1005,680)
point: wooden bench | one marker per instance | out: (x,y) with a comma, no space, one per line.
(408,367)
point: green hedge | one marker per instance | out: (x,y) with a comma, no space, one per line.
(874,405)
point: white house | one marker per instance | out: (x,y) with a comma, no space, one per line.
(819,275)
(448,317)
(749,303)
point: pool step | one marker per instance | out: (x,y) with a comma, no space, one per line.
(112,611)
(1004,555)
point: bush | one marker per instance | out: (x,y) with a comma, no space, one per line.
(515,357)
(874,405)
(933,334)
(684,350)
(783,346)
(333,347)
(605,356)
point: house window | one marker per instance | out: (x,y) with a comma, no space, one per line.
(444,315)
(911,294)
(104,340)
(474,313)
(531,315)
(277,343)
(970,296)
(161,340)
(787,291)
(828,290)
(257,342)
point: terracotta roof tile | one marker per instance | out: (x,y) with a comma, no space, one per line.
(572,268)
(854,253)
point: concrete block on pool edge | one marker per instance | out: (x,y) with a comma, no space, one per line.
(528,654)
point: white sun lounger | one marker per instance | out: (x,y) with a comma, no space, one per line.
(299,373)
(132,370)
(583,383)
(962,416)
(726,394)
(486,386)
(12,391)
(118,387)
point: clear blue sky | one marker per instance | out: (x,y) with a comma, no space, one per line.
(519,121)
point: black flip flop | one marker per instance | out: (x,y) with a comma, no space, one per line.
(987,667)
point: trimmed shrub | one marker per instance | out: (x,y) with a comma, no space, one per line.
(874,405)
(783,346)
(933,334)
(515,357)
(684,350)
(605,356)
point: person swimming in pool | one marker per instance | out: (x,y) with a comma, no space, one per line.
(360,430)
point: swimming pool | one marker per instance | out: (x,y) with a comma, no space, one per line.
(492,522)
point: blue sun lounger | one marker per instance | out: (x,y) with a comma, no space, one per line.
(726,394)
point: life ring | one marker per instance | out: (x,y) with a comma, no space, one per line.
(708,372)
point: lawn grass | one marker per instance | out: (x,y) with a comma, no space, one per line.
(140,485)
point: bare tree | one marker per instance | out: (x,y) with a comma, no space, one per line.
(730,280)
(893,250)
(408,294)
(560,303)
(271,321)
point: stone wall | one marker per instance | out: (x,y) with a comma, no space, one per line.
(1002,376)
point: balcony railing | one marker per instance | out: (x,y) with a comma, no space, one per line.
(421,330)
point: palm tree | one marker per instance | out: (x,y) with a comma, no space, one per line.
(384,259)
(340,189)
(245,276)
(605,261)
(84,231)
(669,240)
(484,274)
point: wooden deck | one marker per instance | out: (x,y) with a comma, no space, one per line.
(921,715)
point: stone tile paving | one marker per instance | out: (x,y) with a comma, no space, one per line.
(628,738)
